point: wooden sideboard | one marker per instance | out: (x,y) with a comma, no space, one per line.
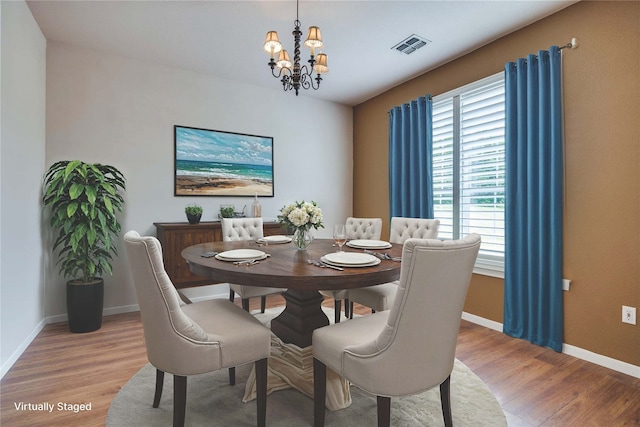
(175,236)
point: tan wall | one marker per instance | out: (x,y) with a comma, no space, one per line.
(602,145)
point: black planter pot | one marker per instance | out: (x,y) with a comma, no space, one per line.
(84,305)
(194,219)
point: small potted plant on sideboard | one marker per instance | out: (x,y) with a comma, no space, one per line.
(194,213)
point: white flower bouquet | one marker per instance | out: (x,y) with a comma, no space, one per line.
(301,215)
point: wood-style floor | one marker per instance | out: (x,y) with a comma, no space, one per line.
(535,386)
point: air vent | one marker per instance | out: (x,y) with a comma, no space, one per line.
(411,44)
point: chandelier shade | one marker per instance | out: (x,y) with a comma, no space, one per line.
(283,59)
(321,64)
(292,75)
(272,43)
(314,38)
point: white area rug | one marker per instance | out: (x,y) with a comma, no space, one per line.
(211,401)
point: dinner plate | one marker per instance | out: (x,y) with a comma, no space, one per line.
(241,254)
(275,239)
(350,259)
(368,244)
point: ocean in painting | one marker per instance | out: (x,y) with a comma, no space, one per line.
(262,173)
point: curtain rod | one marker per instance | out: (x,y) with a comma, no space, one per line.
(573,44)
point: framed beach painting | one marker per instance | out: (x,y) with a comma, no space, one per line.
(219,163)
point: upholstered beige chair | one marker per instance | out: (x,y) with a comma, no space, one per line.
(410,348)
(356,228)
(190,339)
(380,297)
(246,229)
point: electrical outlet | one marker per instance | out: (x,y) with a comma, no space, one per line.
(628,315)
(566,284)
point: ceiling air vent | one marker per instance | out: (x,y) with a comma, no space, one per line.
(411,44)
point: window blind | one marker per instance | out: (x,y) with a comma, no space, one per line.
(469,166)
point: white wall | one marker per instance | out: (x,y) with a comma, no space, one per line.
(120,111)
(22,160)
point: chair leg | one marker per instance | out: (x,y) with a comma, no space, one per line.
(445,400)
(337,304)
(245,304)
(261,389)
(263,303)
(232,295)
(179,400)
(319,392)
(347,305)
(159,383)
(350,309)
(384,411)
(232,376)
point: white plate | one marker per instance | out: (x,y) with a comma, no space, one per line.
(376,261)
(241,254)
(368,244)
(350,259)
(275,239)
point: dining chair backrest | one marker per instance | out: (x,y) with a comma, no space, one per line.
(172,338)
(417,344)
(363,228)
(242,229)
(417,228)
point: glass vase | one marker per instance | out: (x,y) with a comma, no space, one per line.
(302,238)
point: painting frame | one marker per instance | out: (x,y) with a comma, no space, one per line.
(210,162)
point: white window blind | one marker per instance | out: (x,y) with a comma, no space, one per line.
(469,167)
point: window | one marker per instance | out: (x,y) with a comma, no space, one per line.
(469,167)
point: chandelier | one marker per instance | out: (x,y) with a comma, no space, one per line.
(292,75)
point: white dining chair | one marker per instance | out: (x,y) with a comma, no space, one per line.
(380,297)
(356,228)
(191,339)
(246,229)
(410,348)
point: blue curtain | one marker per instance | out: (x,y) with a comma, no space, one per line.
(410,159)
(533,211)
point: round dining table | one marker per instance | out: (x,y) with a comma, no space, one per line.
(302,274)
(296,271)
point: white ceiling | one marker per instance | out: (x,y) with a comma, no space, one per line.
(224,38)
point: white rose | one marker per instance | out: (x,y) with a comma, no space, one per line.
(287,209)
(298,217)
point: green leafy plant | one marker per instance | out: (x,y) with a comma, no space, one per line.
(194,210)
(227,211)
(84,199)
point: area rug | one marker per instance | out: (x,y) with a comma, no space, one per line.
(211,401)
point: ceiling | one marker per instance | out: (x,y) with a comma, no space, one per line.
(224,38)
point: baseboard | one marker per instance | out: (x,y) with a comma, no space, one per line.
(16,354)
(491,324)
(580,353)
(599,359)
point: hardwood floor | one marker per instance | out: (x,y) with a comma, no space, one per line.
(535,386)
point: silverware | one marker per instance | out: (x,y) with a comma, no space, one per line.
(247,262)
(323,264)
(384,256)
(393,258)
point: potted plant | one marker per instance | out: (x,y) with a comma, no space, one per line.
(194,213)
(227,211)
(84,199)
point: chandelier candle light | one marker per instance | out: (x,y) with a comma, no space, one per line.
(293,76)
